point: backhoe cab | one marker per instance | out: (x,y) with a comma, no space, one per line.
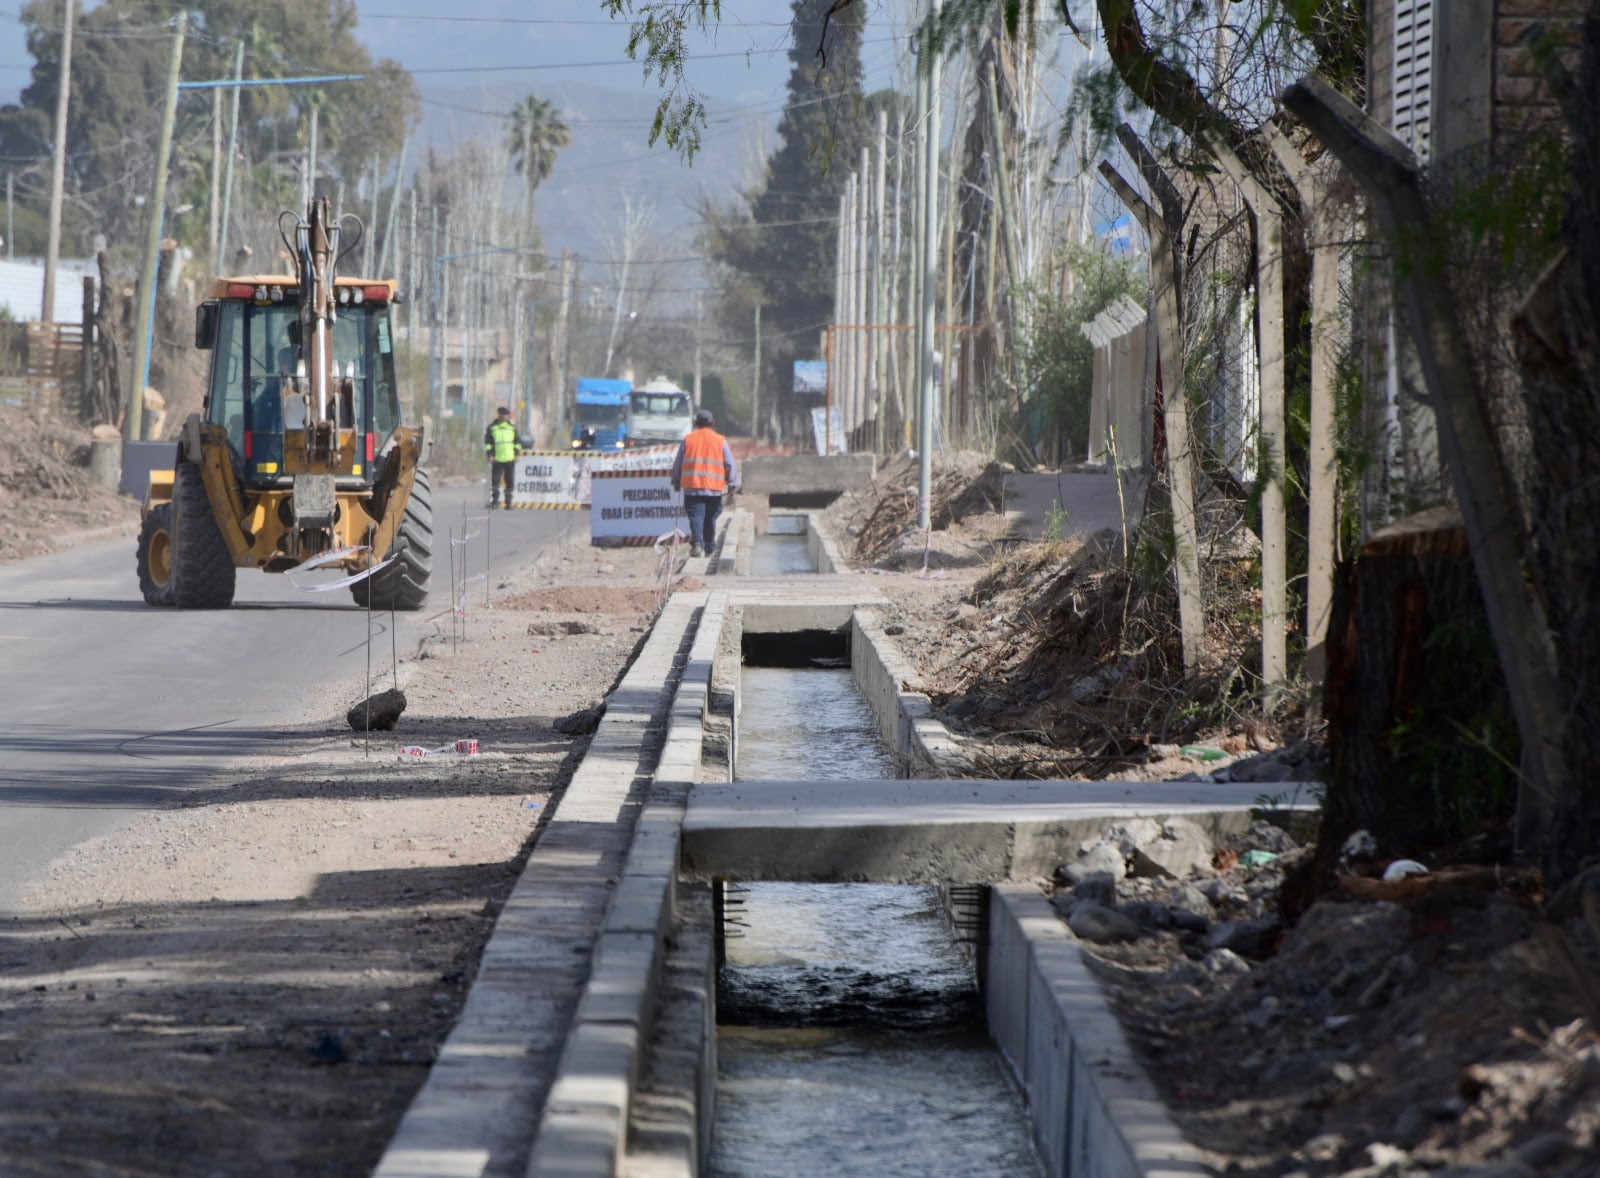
(299,459)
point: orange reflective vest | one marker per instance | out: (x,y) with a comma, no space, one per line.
(704,472)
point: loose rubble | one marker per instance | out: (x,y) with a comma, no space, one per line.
(1372,1039)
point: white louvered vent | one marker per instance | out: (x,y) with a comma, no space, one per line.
(1413,73)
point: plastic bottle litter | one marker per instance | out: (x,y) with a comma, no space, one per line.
(467,748)
(1202,752)
(1401,868)
(1256,858)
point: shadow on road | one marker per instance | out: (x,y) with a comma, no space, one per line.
(135,606)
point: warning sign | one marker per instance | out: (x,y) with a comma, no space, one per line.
(546,480)
(559,479)
(633,507)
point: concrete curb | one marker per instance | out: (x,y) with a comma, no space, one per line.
(479,1109)
(824,552)
(584,1126)
(905,718)
(1094,1109)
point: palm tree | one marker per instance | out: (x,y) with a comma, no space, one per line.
(536,133)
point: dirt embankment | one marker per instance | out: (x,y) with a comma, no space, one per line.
(1449,1032)
(47,498)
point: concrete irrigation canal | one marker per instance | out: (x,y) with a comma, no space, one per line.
(771,929)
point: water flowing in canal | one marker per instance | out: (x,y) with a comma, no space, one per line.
(851,1038)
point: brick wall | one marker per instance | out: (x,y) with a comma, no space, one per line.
(1522,101)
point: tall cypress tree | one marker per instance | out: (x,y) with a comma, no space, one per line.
(789,254)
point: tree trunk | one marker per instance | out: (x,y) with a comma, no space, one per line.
(1388,172)
(1412,685)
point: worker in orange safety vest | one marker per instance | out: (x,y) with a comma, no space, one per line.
(703,470)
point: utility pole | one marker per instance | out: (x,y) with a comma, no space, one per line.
(852,337)
(929,279)
(697,351)
(220,262)
(864,290)
(876,312)
(755,394)
(411,265)
(58,167)
(155,208)
(898,340)
(919,210)
(311,156)
(214,205)
(389,260)
(367,254)
(834,349)
(569,299)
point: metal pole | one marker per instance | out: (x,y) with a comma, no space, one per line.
(929,280)
(221,260)
(133,423)
(58,166)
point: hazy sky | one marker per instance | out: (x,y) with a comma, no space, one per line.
(511,44)
(473,59)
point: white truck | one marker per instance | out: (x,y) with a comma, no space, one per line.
(659,413)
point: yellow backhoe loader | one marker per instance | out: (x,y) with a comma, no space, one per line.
(299,459)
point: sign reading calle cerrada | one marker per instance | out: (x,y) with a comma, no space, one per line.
(559,479)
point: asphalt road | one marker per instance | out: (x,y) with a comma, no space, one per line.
(109,707)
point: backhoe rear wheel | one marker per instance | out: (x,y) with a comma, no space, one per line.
(202,569)
(404,584)
(155,555)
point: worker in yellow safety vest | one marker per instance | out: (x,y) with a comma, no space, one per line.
(500,447)
(703,470)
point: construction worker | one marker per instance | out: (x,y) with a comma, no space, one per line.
(703,470)
(500,447)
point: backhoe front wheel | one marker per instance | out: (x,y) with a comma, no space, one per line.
(155,555)
(202,569)
(404,584)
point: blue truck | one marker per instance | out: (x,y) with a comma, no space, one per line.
(600,414)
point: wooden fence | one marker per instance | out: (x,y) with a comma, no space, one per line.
(41,366)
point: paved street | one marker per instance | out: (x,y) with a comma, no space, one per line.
(108,706)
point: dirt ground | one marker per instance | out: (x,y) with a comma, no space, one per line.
(254,981)
(1454,1033)
(46,499)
